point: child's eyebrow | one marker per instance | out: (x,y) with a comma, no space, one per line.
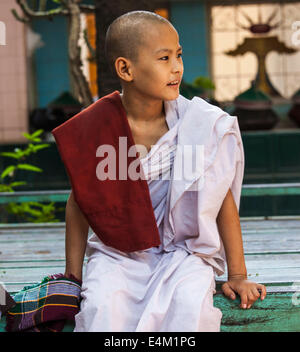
(167,50)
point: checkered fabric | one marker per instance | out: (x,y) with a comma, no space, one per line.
(45,306)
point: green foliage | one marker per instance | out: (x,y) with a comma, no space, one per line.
(34,211)
(204,83)
(189,91)
(43,6)
(9,188)
(20,155)
(28,211)
(201,86)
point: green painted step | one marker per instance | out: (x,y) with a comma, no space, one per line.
(276,313)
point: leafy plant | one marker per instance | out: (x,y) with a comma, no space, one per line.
(207,87)
(204,83)
(34,211)
(201,87)
(29,211)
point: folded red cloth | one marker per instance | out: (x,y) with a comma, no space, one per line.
(119,211)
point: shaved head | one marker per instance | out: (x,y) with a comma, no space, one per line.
(127,33)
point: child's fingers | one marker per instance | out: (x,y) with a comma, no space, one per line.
(244,300)
(263,291)
(254,294)
(228,291)
(252,297)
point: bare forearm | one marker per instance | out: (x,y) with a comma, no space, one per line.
(228,222)
(230,231)
(76,237)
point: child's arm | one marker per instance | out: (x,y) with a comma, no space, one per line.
(230,231)
(77,229)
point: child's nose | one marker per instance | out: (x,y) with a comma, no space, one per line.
(177,66)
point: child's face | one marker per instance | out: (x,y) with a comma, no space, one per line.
(156,68)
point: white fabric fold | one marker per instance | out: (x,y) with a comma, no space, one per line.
(218,132)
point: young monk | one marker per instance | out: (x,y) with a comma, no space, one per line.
(165,282)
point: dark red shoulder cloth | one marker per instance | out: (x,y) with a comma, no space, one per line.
(120,212)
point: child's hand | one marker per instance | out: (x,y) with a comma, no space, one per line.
(248,291)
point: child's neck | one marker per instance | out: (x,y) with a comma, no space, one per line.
(142,110)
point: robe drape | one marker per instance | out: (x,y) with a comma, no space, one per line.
(170,288)
(118,202)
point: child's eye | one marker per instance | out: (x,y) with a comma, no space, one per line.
(167,57)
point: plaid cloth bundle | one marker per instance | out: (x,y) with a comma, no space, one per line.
(45,306)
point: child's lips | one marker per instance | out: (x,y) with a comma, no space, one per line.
(173,84)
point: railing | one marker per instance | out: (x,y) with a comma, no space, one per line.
(272,189)
(37,196)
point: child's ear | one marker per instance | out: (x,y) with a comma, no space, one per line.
(124,69)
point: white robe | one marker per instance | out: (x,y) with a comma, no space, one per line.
(170,288)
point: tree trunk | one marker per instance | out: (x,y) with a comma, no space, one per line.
(82,90)
(72,9)
(106,12)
